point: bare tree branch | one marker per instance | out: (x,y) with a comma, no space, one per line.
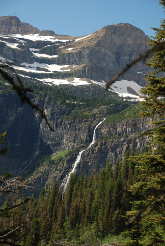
(6,235)
(15,206)
(21,90)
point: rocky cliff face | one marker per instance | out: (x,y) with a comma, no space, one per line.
(12,25)
(68,75)
(113,46)
(30,139)
(113,142)
(45,156)
(24,142)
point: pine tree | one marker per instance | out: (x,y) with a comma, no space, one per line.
(147,217)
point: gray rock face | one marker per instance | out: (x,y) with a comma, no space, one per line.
(13,25)
(16,56)
(25,145)
(45,156)
(113,142)
(108,51)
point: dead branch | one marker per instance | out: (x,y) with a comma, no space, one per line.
(15,206)
(21,90)
(6,235)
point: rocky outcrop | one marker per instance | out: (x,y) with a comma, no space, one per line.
(108,51)
(13,25)
(113,142)
(16,55)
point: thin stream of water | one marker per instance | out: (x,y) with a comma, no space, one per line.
(78,159)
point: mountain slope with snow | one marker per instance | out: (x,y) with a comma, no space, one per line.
(88,60)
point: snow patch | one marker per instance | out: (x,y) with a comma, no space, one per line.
(24,76)
(74,82)
(33,49)
(50,67)
(100,83)
(3,36)
(28,70)
(70,49)
(123,88)
(37,37)
(79,39)
(44,55)
(11,45)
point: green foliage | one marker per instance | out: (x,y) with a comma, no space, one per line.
(155,89)
(89,236)
(79,114)
(131,112)
(146,219)
(60,155)
(91,208)
(121,240)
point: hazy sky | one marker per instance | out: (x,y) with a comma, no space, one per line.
(80,17)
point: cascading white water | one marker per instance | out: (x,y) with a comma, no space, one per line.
(78,159)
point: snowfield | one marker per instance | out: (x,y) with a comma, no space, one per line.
(70,49)
(11,45)
(37,37)
(74,82)
(84,37)
(126,88)
(28,70)
(44,55)
(49,68)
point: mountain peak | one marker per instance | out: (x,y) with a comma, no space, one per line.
(13,25)
(122,26)
(9,18)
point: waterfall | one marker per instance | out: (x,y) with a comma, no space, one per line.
(78,159)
